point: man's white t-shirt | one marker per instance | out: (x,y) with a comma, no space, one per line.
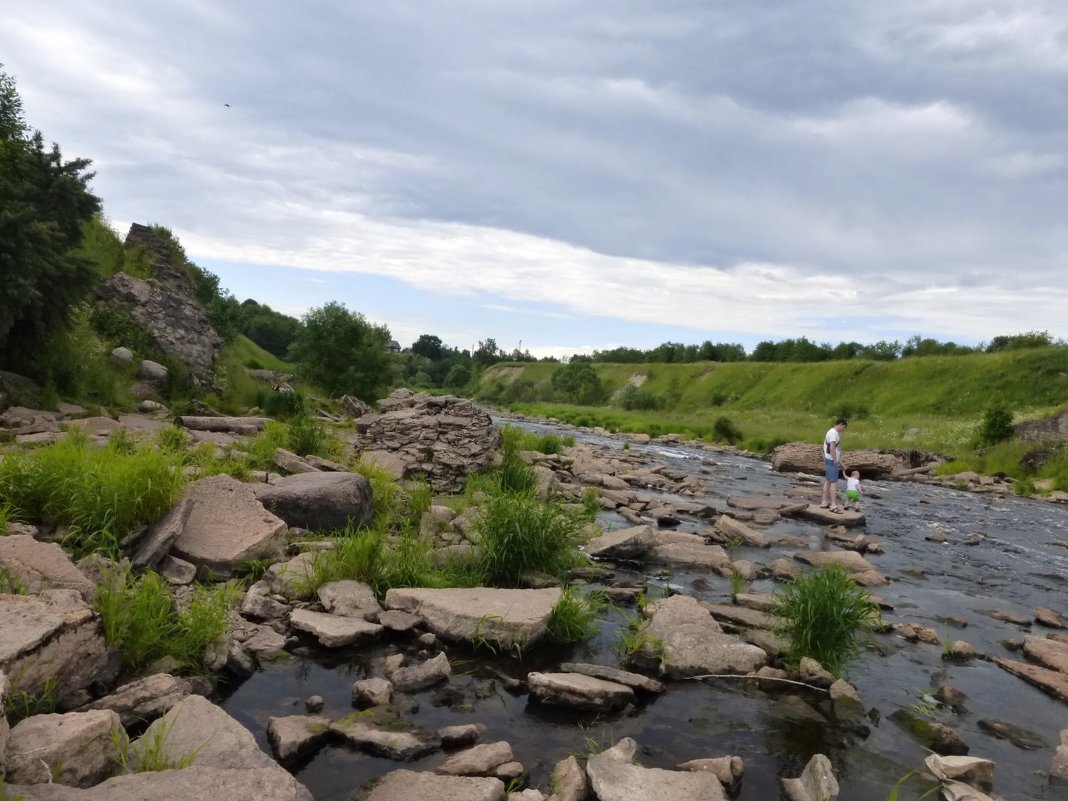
(832,436)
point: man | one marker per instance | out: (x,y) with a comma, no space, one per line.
(832,460)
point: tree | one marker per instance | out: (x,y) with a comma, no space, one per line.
(44,203)
(428,346)
(487,353)
(343,353)
(577,382)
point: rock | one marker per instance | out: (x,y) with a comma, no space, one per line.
(227,525)
(627,543)
(258,605)
(370,692)
(154,545)
(805,457)
(569,781)
(152,371)
(478,760)
(936,736)
(693,643)
(149,406)
(530,794)
(1059,769)
(265,645)
(579,691)
(440,437)
(845,701)
(459,736)
(679,548)
(740,616)
(392,464)
(197,728)
(74,749)
(1010,617)
(785,569)
(289,462)
(319,501)
(408,785)
(729,770)
(817,782)
(1049,618)
(507,617)
(728,529)
(350,599)
(289,578)
(243,426)
(962,651)
(296,736)
(614,777)
(314,703)
(973,771)
(145,699)
(353,406)
(176,324)
(1021,738)
(850,561)
(195,783)
(51,638)
(5,729)
(916,633)
(436,520)
(333,631)
(633,680)
(41,565)
(1048,653)
(1052,682)
(425,674)
(398,621)
(392,742)
(121,355)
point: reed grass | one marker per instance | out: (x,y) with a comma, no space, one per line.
(576,618)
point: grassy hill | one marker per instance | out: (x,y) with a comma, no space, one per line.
(931,402)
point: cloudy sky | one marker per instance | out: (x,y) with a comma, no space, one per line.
(576,175)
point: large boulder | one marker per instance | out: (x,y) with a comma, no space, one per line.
(145,699)
(806,457)
(614,777)
(41,565)
(319,501)
(508,617)
(174,321)
(74,749)
(4,728)
(410,785)
(227,525)
(626,543)
(51,643)
(693,643)
(440,437)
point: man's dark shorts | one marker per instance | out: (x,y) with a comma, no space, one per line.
(830,469)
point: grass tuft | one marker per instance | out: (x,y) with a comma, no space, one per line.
(575,618)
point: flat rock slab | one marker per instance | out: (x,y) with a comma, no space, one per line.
(409,785)
(157,542)
(729,529)
(333,631)
(627,543)
(849,561)
(144,699)
(635,680)
(846,518)
(678,548)
(1050,682)
(227,525)
(350,599)
(319,501)
(510,617)
(1049,618)
(295,736)
(478,760)
(614,777)
(73,749)
(1048,653)
(363,732)
(52,636)
(425,674)
(741,616)
(41,565)
(693,643)
(195,783)
(579,691)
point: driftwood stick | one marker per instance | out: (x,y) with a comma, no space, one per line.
(758,678)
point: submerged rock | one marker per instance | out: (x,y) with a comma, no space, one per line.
(392,738)
(296,736)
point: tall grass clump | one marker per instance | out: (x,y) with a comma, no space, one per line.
(521,535)
(262,447)
(140,617)
(575,618)
(101,494)
(9,584)
(516,439)
(823,614)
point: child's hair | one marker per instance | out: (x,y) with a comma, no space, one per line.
(855,474)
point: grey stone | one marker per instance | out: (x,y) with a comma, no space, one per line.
(478,760)
(973,771)
(1048,653)
(155,544)
(350,599)
(319,501)
(463,734)
(289,578)
(398,621)
(145,699)
(289,462)
(614,777)
(729,770)
(73,749)
(371,692)
(730,529)
(579,691)
(425,674)
(258,605)
(1051,682)
(1059,768)
(817,782)
(408,785)
(265,645)
(41,565)
(152,371)
(389,742)
(627,543)
(121,355)
(693,642)
(178,572)
(333,631)
(680,548)
(845,701)
(4,727)
(634,680)
(570,782)
(295,736)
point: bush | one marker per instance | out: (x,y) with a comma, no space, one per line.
(574,618)
(521,535)
(341,352)
(281,405)
(996,427)
(725,430)
(822,615)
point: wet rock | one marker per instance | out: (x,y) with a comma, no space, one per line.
(850,561)
(227,525)
(314,703)
(41,565)
(333,631)
(812,672)
(510,772)
(626,678)
(678,548)
(391,739)
(5,729)
(1021,738)
(914,632)
(729,770)
(427,639)
(569,780)
(408,785)
(1048,653)
(816,783)
(961,651)
(845,701)
(797,709)
(296,736)
(973,771)
(939,737)
(741,616)
(614,777)
(349,599)
(398,621)
(818,514)
(728,529)
(371,692)
(1049,618)
(579,691)
(628,543)
(425,674)
(74,749)
(265,645)
(1010,617)
(51,638)
(319,501)
(693,642)
(508,617)
(951,697)
(785,569)
(1051,682)
(144,699)
(478,760)
(461,735)
(1059,769)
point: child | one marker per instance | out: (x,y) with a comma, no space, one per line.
(853,490)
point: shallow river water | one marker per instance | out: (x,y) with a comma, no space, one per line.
(1018,566)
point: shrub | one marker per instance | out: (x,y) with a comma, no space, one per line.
(996,427)
(342,352)
(522,535)
(282,405)
(725,430)
(262,447)
(822,615)
(574,618)
(307,436)
(632,397)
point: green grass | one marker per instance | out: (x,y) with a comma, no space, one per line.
(9,584)
(151,752)
(138,615)
(634,638)
(22,704)
(575,618)
(101,494)
(516,439)
(823,614)
(5,795)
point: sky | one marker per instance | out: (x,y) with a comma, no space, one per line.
(566,176)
